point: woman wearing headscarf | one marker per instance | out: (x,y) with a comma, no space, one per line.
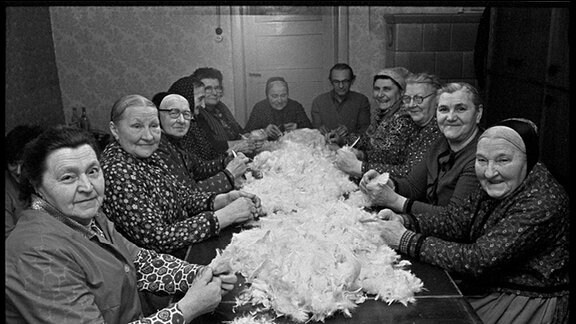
(411,140)
(389,124)
(277,113)
(65,261)
(446,174)
(509,240)
(214,132)
(146,201)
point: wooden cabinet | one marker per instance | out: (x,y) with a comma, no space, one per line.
(527,75)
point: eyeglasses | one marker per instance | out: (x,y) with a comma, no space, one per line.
(175,113)
(212,89)
(340,82)
(417,99)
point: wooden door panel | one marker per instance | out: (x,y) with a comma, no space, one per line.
(299,48)
(286,52)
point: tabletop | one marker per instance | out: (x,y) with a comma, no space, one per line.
(439,302)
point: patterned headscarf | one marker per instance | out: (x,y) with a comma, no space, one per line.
(184,87)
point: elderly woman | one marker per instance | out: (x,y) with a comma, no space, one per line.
(217,116)
(65,261)
(215,131)
(510,238)
(446,174)
(419,101)
(146,201)
(389,127)
(212,176)
(277,113)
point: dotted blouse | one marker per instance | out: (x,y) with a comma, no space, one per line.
(418,145)
(198,142)
(517,245)
(209,176)
(150,206)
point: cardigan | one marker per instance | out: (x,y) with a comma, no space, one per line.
(442,177)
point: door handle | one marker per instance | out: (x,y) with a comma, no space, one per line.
(252,74)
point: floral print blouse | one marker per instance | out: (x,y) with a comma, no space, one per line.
(209,176)
(518,244)
(418,145)
(150,206)
(388,143)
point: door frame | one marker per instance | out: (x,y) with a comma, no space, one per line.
(238,58)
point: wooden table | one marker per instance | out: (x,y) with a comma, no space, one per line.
(440,302)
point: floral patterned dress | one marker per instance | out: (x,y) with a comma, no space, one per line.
(418,145)
(150,206)
(209,176)
(517,245)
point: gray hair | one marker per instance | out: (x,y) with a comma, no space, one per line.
(128,101)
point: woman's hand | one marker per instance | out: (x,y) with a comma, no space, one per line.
(223,200)
(238,206)
(244,145)
(273,131)
(368,177)
(238,211)
(228,281)
(381,194)
(290,126)
(389,215)
(237,166)
(347,161)
(391,232)
(227,277)
(203,295)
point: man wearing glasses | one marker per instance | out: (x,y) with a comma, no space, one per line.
(341,111)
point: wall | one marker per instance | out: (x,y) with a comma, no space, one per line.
(368,38)
(104,53)
(32,91)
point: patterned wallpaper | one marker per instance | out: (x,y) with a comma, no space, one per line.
(104,53)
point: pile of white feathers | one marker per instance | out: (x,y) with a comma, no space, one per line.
(311,257)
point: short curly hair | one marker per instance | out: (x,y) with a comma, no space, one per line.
(207,73)
(37,152)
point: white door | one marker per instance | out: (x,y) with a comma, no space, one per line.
(297,43)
